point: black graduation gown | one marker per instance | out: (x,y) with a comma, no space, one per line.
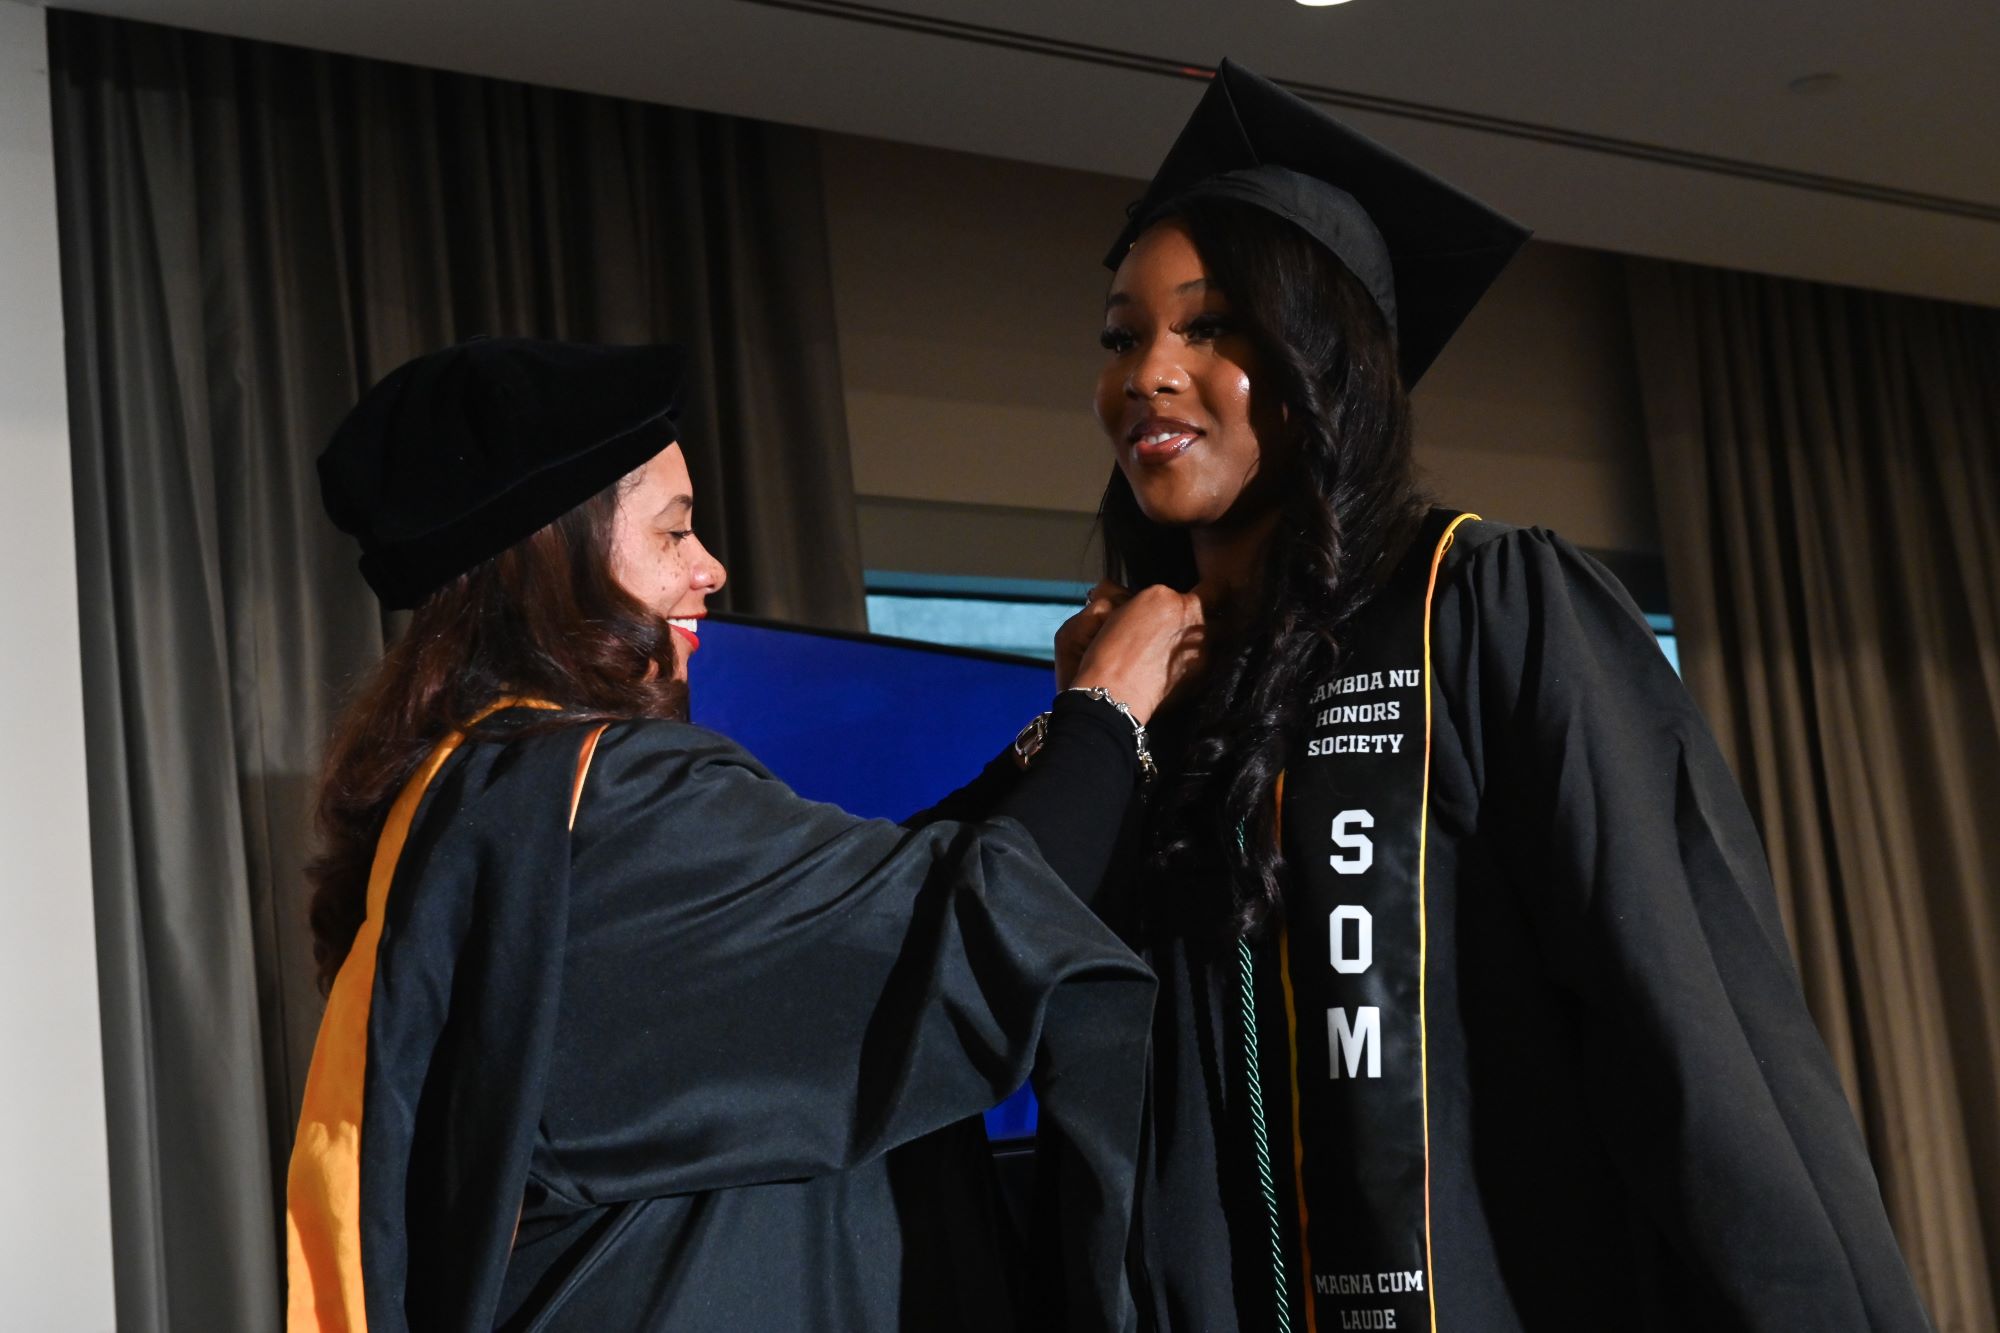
(718,1051)
(1632,1122)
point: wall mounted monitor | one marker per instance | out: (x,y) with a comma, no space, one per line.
(881,727)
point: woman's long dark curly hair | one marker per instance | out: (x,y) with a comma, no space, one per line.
(1347,506)
(545,619)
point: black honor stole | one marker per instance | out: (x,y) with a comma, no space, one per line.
(1351,965)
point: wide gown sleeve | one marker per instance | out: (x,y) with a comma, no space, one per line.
(1089,748)
(766,988)
(1625,832)
(1088,752)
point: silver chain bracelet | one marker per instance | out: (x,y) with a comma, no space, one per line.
(1029,742)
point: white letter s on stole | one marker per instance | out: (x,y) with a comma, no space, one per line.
(1360,849)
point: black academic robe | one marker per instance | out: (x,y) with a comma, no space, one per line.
(712,1057)
(1627,1119)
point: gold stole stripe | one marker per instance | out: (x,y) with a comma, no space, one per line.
(323,1185)
(1423,912)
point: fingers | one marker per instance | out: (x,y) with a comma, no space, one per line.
(1082,627)
(1073,640)
(1074,637)
(1187,662)
(1150,611)
(1146,646)
(1108,595)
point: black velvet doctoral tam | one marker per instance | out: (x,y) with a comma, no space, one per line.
(457,455)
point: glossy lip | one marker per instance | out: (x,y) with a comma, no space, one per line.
(1183,435)
(693,639)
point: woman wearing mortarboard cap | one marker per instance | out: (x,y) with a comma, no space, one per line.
(621,1034)
(1476,1009)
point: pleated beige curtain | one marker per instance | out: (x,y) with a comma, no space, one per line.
(251,235)
(1828,471)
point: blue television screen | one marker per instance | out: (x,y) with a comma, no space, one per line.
(880,727)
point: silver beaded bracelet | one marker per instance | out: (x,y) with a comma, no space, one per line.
(1029,742)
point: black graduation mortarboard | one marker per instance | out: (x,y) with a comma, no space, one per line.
(455,456)
(1425,251)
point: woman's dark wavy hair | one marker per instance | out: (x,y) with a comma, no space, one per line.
(1347,504)
(544,619)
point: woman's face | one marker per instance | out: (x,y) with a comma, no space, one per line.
(655,555)
(1176,392)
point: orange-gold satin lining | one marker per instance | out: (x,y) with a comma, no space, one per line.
(323,1185)
(583,759)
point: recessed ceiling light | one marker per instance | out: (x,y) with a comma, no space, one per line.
(1321,4)
(1814,85)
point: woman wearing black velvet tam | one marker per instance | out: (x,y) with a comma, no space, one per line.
(621,1034)
(1476,1009)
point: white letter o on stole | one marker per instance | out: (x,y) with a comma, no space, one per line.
(1364,939)
(1360,848)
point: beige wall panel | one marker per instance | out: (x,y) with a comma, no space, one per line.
(1532,413)
(968,292)
(944,449)
(985,541)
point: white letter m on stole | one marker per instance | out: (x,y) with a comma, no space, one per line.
(1348,1042)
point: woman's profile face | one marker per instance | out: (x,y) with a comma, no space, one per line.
(655,555)
(1175,395)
